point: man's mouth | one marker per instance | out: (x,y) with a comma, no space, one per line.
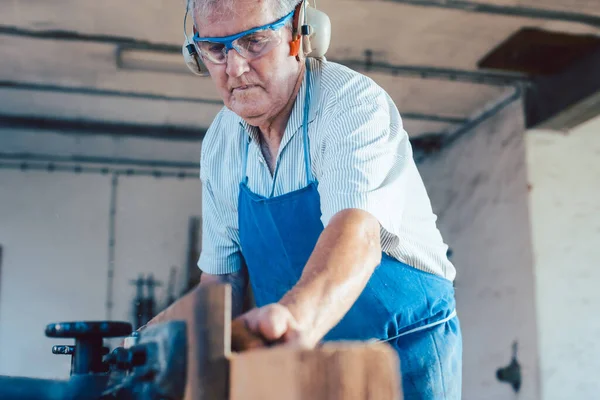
(244,87)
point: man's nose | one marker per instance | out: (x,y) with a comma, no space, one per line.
(236,64)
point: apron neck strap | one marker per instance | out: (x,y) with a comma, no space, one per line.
(245,156)
(307,100)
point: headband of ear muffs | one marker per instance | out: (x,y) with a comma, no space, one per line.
(312,32)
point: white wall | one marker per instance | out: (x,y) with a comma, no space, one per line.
(564,171)
(54,234)
(54,229)
(478,187)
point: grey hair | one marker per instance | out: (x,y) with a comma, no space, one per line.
(223,7)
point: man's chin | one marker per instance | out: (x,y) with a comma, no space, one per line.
(249,113)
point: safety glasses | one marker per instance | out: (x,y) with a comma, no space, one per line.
(250,44)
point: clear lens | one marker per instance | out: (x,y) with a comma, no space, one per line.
(250,46)
(213,52)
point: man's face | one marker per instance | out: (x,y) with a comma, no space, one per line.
(259,89)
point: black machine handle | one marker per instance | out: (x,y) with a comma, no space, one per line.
(89,346)
(88,329)
(154,368)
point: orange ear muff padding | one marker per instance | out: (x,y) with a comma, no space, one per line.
(295,43)
(295,47)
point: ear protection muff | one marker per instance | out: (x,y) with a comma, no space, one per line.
(314,30)
(311,31)
(192,59)
(188,50)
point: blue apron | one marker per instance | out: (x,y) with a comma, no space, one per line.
(412,310)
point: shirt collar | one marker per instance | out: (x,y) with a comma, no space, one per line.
(296,118)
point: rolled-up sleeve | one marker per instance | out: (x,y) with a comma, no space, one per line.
(220,250)
(365,158)
(220,253)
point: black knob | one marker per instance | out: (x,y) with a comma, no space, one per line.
(63,349)
(83,329)
(88,335)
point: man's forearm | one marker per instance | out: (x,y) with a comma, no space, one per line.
(238,282)
(339,268)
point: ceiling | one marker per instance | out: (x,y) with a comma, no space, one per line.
(59,60)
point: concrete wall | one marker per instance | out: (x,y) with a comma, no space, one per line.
(54,229)
(478,187)
(564,173)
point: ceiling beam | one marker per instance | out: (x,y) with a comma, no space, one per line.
(566,99)
(73,36)
(92,91)
(366,64)
(512,11)
(85,126)
(433,118)
(426,72)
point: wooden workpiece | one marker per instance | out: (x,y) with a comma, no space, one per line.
(349,371)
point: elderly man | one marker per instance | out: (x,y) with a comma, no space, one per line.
(310,191)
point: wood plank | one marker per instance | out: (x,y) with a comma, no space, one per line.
(349,371)
(207,312)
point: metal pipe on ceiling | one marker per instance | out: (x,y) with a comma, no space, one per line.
(425,72)
(130,162)
(512,11)
(82,169)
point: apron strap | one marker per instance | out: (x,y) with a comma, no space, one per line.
(307,100)
(245,156)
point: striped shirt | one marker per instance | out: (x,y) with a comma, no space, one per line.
(360,155)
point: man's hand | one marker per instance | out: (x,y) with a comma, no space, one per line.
(275,324)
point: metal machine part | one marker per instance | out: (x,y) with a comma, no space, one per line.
(155,367)
(89,335)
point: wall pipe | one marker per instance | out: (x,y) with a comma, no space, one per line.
(112,221)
